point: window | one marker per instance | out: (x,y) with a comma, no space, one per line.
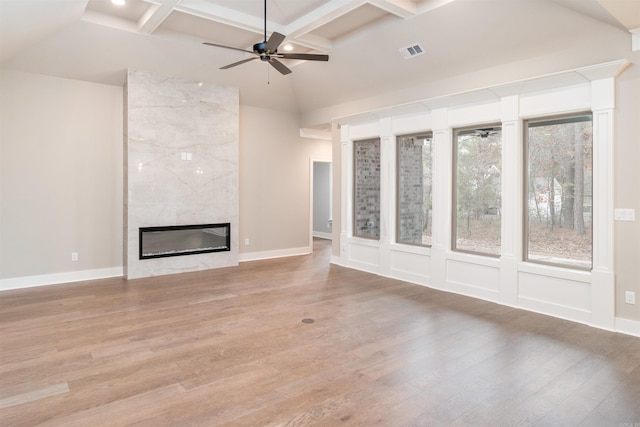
(366,205)
(414,189)
(558,209)
(477,190)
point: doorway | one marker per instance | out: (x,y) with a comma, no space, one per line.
(321,191)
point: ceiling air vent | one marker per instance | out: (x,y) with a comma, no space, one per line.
(412,50)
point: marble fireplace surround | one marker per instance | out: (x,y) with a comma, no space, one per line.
(181,166)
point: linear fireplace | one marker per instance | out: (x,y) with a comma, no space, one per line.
(157,242)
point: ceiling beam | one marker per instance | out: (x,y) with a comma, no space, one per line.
(298,30)
(223,15)
(430,5)
(402,8)
(156,15)
(312,41)
(323,15)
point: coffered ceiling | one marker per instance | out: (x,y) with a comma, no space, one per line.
(96,40)
(312,24)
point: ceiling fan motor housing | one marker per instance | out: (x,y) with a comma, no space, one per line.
(260,47)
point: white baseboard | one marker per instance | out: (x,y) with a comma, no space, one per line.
(556,310)
(57,278)
(629,327)
(472,291)
(337,260)
(411,277)
(322,235)
(281,253)
(624,326)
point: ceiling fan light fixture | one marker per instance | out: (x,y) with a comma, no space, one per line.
(288,47)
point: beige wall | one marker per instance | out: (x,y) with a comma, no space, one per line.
(61,178)
(626,192)
(62,170)
(274,180)
(61,175)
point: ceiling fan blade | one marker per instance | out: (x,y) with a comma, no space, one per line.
(274,42)
(279,66)
(304,56)
(238,63)
(228,47)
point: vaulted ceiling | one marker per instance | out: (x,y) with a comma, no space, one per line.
(95,40)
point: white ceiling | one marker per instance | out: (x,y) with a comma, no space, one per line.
(96,41)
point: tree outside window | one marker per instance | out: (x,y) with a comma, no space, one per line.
(558,208)
(477,198)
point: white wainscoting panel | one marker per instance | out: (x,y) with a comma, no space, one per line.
(411,266)
(474,279)
(556,296)
(364,255)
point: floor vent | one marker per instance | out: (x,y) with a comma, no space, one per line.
(412,50)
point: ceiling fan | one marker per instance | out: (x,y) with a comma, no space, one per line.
(484,133)
(267,51)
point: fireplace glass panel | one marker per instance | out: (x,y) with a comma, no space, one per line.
(168,241)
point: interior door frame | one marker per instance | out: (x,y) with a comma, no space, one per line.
(313,160)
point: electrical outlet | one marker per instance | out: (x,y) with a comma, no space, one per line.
(630,297)
(74,256)
(246,242)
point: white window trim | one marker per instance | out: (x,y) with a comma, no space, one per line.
(589,299)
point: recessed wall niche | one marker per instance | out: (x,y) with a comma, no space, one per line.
(181,166)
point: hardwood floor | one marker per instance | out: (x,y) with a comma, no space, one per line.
(228,347)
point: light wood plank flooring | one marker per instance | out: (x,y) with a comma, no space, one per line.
(229,348)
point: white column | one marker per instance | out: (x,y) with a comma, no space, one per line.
(603,278)
(387,202)
(346,199)
(512,197)
(442,173)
